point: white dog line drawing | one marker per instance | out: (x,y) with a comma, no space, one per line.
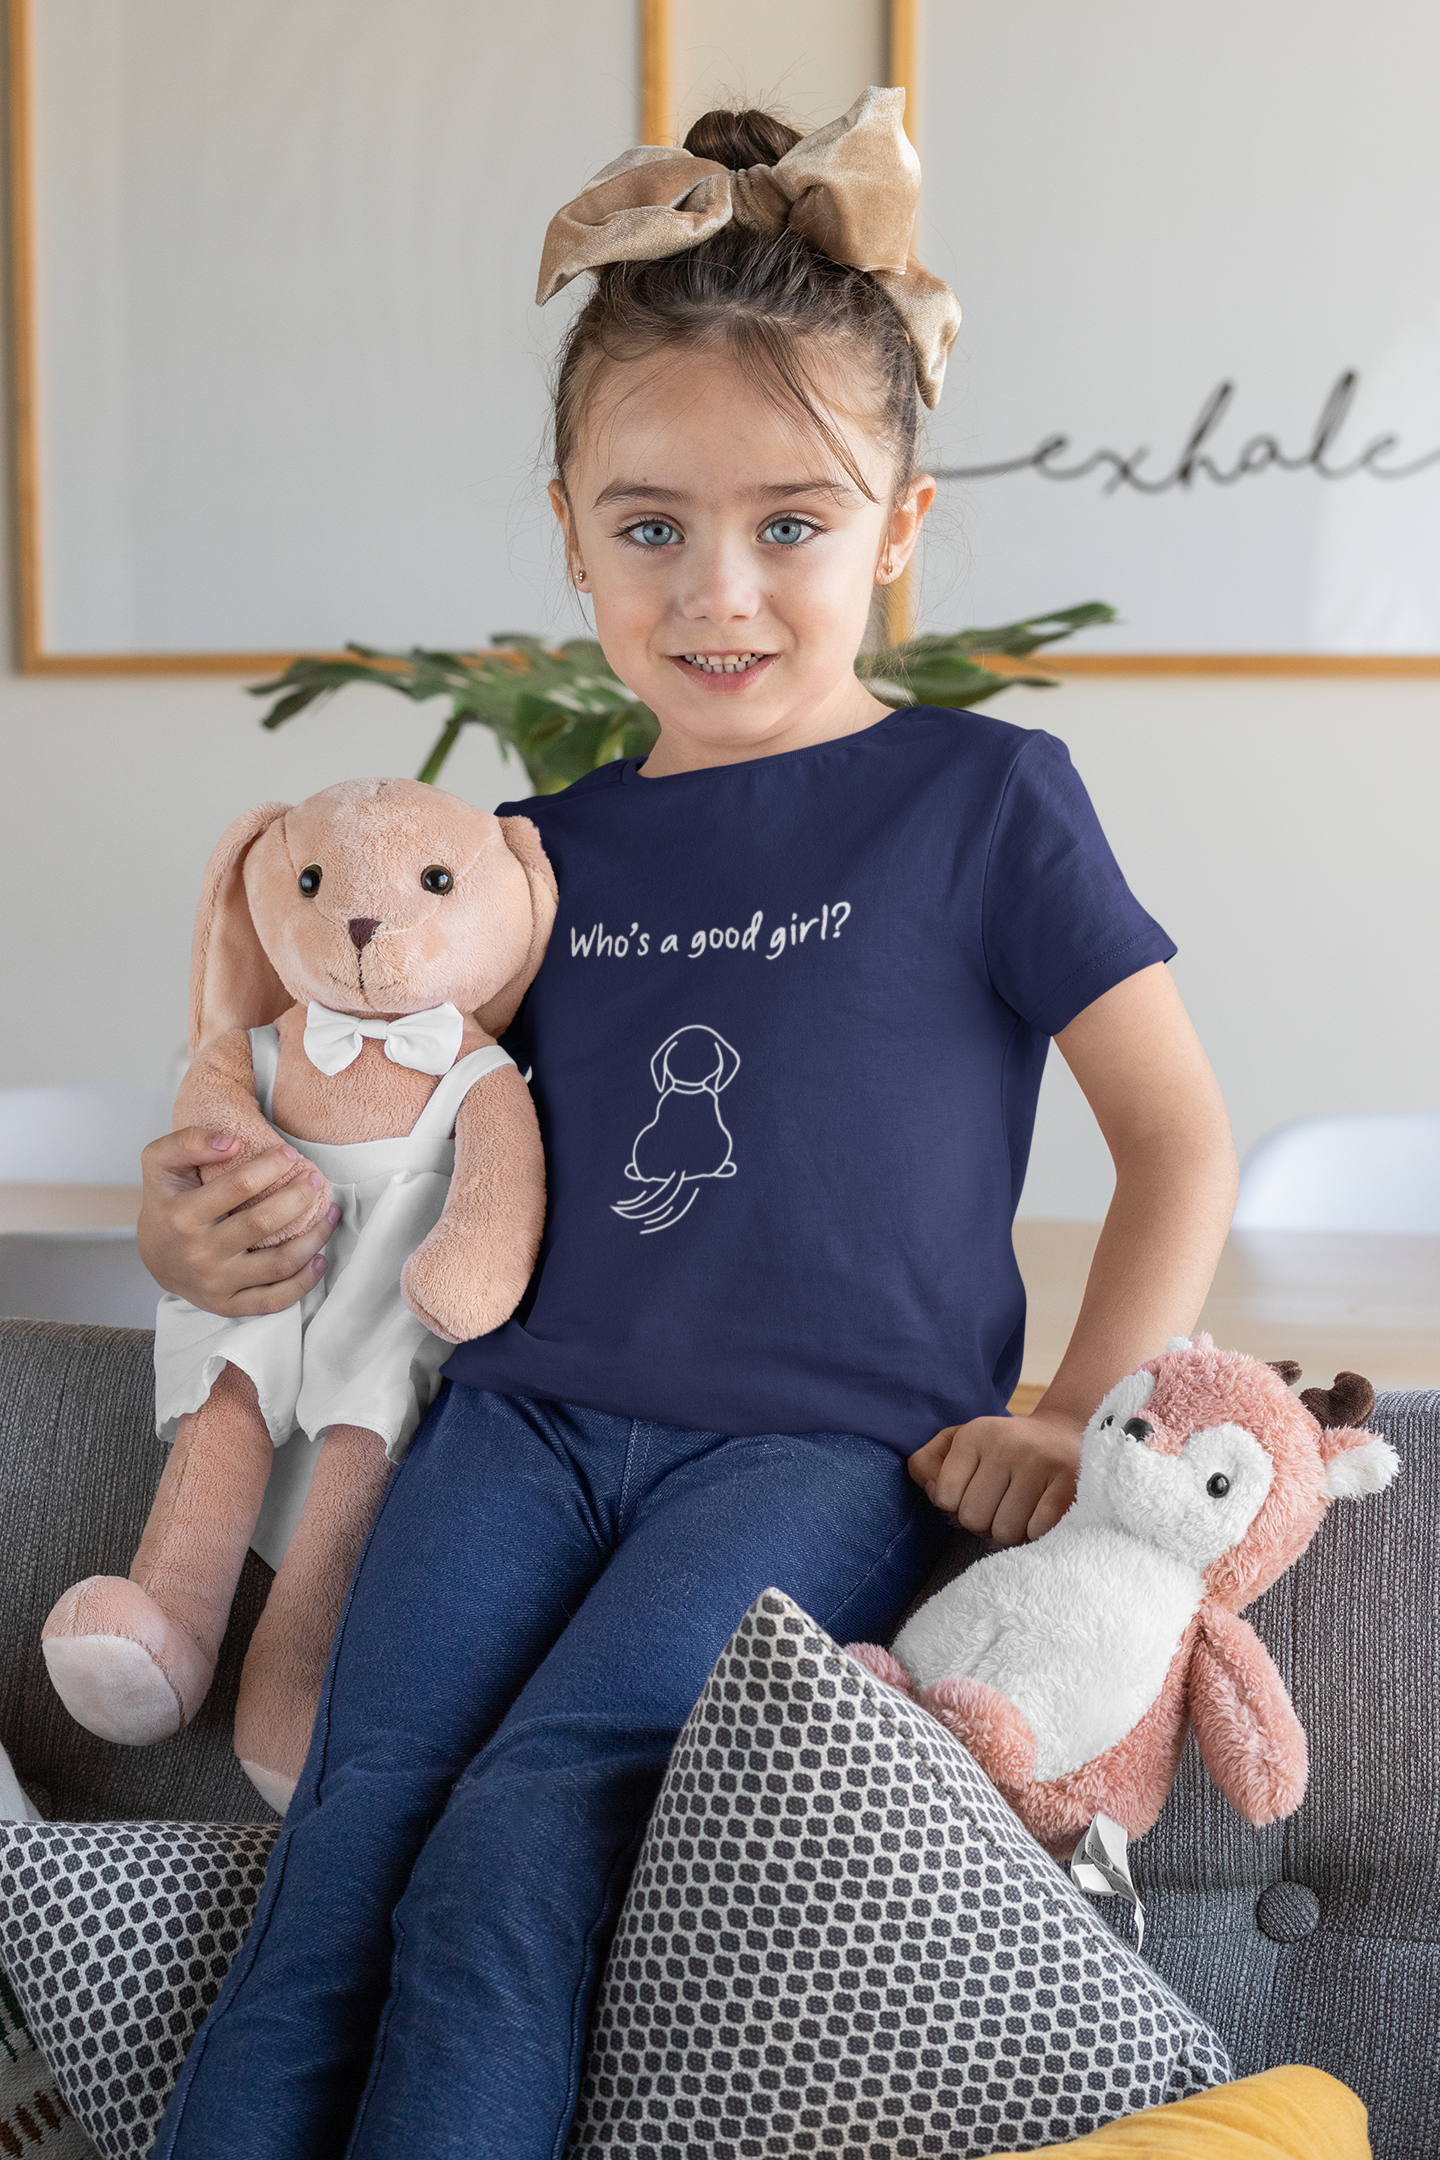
(686,1139)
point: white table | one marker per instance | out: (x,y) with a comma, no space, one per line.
(69,1207)
(1332,1300)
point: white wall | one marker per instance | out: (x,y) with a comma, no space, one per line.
(1281,830)
(291,369)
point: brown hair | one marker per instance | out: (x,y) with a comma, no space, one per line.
(765,298)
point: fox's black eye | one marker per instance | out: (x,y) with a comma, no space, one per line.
(437,878)
(310,880)
(1218,1486)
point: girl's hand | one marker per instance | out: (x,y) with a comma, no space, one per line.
(1006,1478)
(194,1243)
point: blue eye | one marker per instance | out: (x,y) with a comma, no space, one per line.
(654,532)
(788,531)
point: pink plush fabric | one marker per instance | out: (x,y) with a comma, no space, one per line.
(986,1723)
(1220,1678)
(883,1666)
(366,937)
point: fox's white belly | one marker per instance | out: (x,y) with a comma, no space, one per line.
(1078,1630)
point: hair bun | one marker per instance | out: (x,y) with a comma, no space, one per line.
(740,139)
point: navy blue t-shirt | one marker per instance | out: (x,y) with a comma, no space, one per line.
(786,1047)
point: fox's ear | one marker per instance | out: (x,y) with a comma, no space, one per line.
(1357,1463)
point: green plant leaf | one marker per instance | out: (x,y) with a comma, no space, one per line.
(563,710)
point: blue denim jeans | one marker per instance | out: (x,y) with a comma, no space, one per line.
(540,1600)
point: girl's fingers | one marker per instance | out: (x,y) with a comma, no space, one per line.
(275,1297)
(177,1158)
(924,1464)
(1051,1505)
(274,1263)
(952,1482)
(272,1221)
(1010,1521)
(220,1196)
(983,1495)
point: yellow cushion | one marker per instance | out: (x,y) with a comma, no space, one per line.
(1289,2114)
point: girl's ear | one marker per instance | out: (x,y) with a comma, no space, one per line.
(560,504)
(232,983)
(903,530)
(523,842)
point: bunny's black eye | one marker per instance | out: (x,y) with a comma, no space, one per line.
(1218,1486)
(436,879)
(310,880)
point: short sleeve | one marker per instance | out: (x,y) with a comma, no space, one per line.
(1061,926)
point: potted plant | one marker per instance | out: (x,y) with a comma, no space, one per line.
(562,710)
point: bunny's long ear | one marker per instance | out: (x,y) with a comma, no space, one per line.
(232,984)
(523,842)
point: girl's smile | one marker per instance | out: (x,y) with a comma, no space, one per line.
(723,673)
(731,560)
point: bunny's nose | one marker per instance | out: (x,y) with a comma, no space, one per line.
(362,929)
(1138,1428)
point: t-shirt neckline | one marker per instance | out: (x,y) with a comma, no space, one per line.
(630,767)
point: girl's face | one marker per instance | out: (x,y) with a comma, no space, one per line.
(730,559)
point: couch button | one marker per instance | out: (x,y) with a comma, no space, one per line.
(1287,1912)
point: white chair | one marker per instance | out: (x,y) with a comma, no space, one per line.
(1376,1172)
(78,1135)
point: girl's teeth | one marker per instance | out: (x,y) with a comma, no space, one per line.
(726,664)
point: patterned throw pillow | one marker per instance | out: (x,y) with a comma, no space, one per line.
(116,1937)
(840,1941)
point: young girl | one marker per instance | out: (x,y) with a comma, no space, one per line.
(786,1048)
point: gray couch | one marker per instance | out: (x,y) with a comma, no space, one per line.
(1315,1941)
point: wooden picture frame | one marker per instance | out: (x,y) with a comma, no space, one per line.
(32,656)
(655,103)
(613,36)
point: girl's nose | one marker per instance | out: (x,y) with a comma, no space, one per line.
(722,588)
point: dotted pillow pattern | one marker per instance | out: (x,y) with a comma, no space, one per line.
(33,2114)
(840,1941)
(116,1938)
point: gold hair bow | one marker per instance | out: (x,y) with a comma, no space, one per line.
(849,189)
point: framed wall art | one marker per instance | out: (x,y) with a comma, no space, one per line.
(1199,375)
(279,378)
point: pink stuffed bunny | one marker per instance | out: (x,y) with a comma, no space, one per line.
(354,959)
(1070,1668)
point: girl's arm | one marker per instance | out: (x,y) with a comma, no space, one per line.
(1143,1073)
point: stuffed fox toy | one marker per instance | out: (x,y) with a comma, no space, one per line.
(354,959)
(1072,1667)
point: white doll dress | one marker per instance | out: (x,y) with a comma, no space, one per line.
(350,1352)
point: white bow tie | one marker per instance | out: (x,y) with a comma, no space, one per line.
(427,1042)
